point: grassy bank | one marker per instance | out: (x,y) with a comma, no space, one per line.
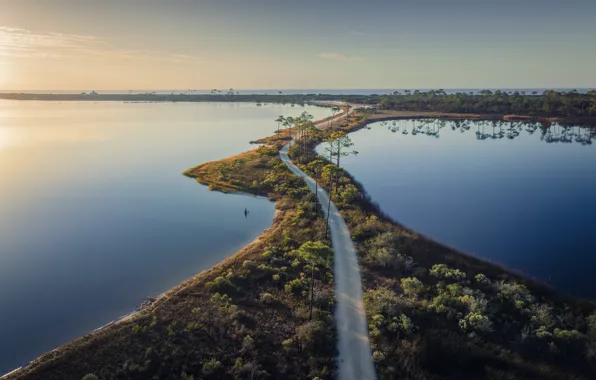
(435,313)
(247,318)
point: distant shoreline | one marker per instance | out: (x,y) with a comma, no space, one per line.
(153,97)
(507,114)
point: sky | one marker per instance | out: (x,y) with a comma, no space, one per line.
(291,44)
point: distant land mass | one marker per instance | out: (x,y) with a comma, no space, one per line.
(370,91)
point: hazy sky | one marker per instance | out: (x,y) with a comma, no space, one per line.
(259,44)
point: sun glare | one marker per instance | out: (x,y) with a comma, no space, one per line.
(3,138)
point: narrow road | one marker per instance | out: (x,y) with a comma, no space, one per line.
(355,356)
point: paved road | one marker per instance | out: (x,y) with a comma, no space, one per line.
(355,357)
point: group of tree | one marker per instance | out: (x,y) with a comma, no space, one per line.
(302,126)
(549,103)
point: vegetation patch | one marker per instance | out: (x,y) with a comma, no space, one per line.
(435,313)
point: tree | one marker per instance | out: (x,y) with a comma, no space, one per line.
(288,122)
(334,110)
(279,120)
(337,147)
(304,124)
(314,167)
(315,253)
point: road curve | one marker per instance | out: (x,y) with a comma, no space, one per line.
(355,356)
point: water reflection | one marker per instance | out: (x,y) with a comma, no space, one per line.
(495,129)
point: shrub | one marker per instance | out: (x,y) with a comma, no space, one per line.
(248,343)
(267,298)
(249,265)
(404,324)
(475,322)
(482,279)
(294,287)
(311,334)
(442,271)
(591,324)
(567,335)
(516,293)
(412,286)
(368,228)
(221,284)
(211,366)
(382,300)
(348,193)
(475,304)
(287,344)
(375,325)
(541,315)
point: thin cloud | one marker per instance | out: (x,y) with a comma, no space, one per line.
(357,33)
(23,43)
(340,57)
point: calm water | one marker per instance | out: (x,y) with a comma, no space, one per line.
(506,195)
(95,214)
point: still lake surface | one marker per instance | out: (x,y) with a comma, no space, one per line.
(521,197)
(95,214)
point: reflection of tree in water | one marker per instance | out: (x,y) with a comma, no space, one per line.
(495,129)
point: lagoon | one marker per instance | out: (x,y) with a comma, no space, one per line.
(516,194)
(95,214)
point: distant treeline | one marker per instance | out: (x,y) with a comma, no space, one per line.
(549,103)
(154,97)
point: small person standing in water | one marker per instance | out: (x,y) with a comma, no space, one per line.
(245,212)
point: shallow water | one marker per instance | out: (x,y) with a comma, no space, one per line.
(95,214)
(521,197)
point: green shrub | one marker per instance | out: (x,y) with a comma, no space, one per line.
(382,300)
(516,293)
(591,325)
(442,271)
(567,335)
(482,279)
(475,322)
(412,286)
(541,315)
(211,366)
(248,343)
(294,287)
(221,284)
(267,298)
(403,324)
